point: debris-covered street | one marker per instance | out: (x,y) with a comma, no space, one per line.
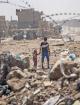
(39,52)
(27,86)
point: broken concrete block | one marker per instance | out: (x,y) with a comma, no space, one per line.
(15,80)
(17,73)
(47,83)
(77,96)
(3,103)
(16,84)
(55,72)
(76,103)
(52,101)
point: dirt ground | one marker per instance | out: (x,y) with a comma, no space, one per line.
(26,47)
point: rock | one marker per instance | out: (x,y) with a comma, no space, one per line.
(68,100)
(37,91)
(26,61)
(78,85)
(76,103)
(15,68)
(24,100)
(27,101)
(16,80)
(55,72)
(25,71)
(12,101)
(16,74)
(16,84)
(47,83)
(77,96)
(3,103)
(52,101)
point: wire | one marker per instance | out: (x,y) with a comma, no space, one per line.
(58,14)
(44,16)
(8,2)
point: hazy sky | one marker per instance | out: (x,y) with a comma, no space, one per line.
(47,6)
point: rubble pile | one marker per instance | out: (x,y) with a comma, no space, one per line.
(15,60)
(27,86)
(31,87)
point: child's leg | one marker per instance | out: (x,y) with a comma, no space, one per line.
(35,63)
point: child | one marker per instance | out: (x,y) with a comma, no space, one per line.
(35,58)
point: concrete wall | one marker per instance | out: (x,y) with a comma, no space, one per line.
(2,26)
(28,18)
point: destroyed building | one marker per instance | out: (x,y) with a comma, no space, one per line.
(30,22)
(2,26)
(12,25)
(28,18)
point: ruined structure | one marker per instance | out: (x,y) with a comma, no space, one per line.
(2,26)
(28,18)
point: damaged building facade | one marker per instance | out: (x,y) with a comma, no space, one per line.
(31,24)
(28,18)
(28,22)
(3,28)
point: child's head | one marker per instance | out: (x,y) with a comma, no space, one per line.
(35,50)
(45,38)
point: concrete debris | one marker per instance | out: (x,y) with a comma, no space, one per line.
(12,101)
(16,74)
(26,86)
(77,103)
(56,73)
(69,100)
(47,83)
(16,80)
(37,91)
(52,101)
(16,84)
(3,103)
(15,60)
(77,96)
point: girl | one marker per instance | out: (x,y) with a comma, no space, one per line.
(35,58)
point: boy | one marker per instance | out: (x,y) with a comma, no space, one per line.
(45,51)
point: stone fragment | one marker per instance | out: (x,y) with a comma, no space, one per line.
(55,72)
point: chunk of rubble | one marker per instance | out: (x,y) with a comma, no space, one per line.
(55,72)
(47,83)
(3,103)
(52,101)
(16,84)
(76,103)
(16,80)
(16,73)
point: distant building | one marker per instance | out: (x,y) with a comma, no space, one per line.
(31,24)
(72,26)
(13,25)
(28,18)
(2,26)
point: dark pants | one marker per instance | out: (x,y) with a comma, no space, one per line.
(45,55)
